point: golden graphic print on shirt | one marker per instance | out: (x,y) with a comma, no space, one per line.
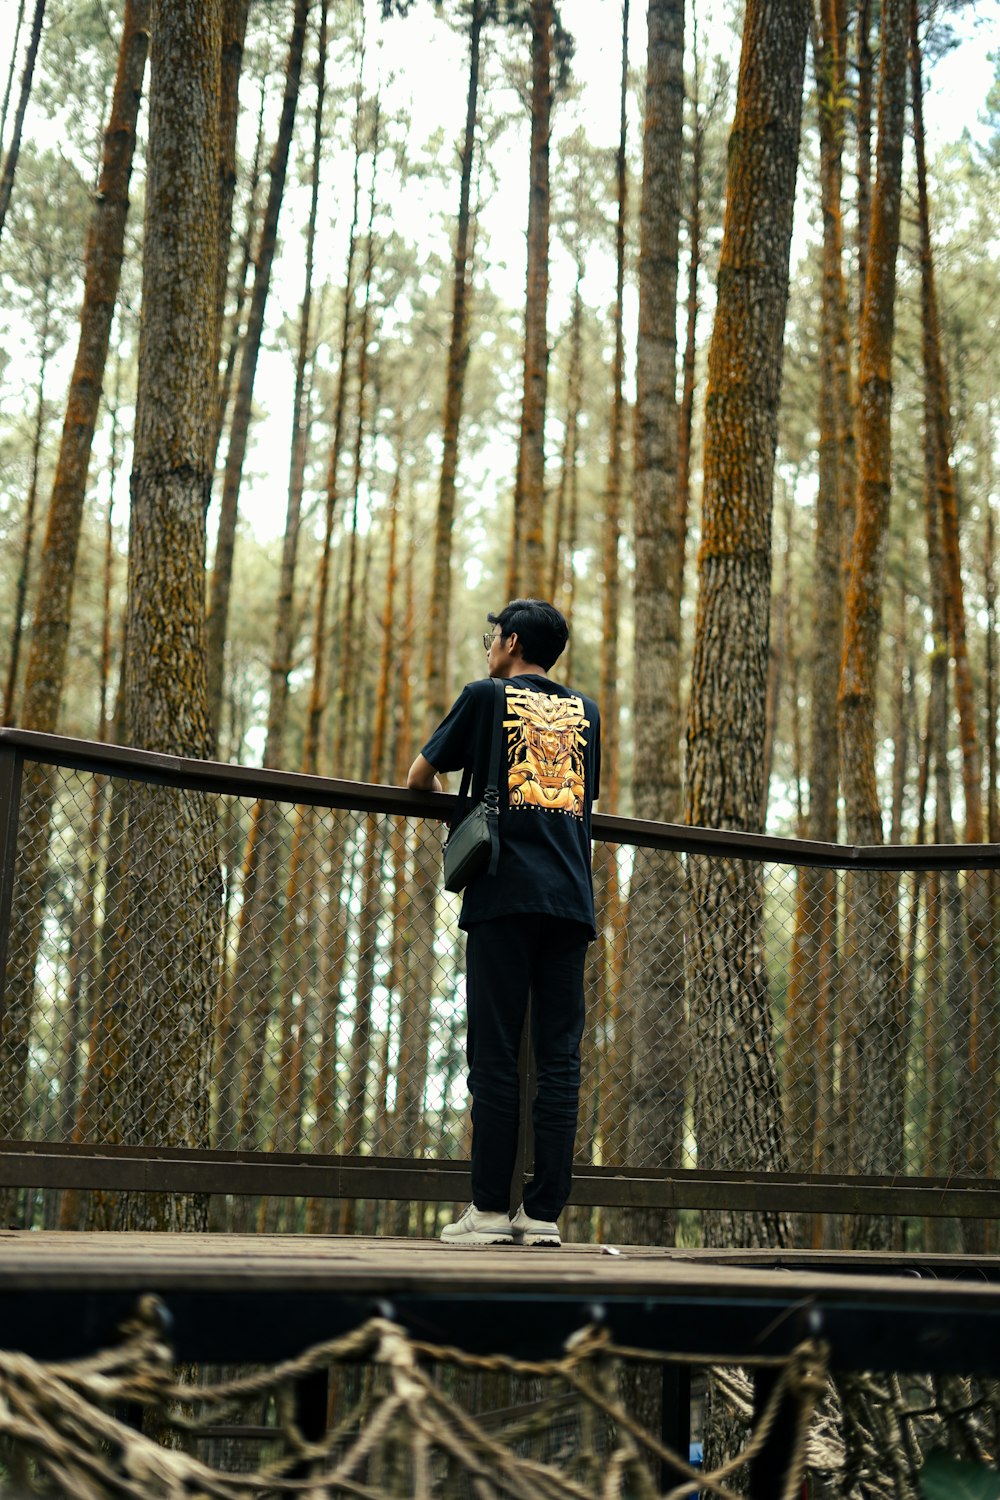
(546,737)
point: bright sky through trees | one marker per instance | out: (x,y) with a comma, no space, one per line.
(418,64)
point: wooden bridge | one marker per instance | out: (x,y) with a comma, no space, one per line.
(264,1298)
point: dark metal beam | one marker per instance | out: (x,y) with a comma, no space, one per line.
(903,1329)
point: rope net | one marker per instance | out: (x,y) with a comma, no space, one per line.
(405,1418)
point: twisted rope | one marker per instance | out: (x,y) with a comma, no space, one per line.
(66,1418)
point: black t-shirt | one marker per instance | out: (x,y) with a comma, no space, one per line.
(550,766)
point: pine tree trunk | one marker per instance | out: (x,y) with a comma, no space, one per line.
(252,992)
(14,149)
(349,754)
(564,529)
(875,1069)
(948,1008)
(657,890)
(686,414)
(992,801)
(92,966)
(11,70)
(865,67)
(46,662)
(358,1082)
(990,674)
(737,1110)
(317,689)
(781,607)
(439,620)
(408,1112)
(30,509)
(222,570)
(526,562)
(613,481)
(975,1123)
(379,848)
(900,725)
(604,987)
(348,674)
(171,867)
(232,336)
(234,30)
(304,831)
(810,1022)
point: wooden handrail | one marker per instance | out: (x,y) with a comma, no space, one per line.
(360,796)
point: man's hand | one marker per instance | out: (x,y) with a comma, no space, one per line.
(422,777)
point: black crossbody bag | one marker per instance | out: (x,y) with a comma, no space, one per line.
(473,845)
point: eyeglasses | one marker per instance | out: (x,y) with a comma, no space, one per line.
(488,639)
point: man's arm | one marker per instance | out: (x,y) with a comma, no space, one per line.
(422,777)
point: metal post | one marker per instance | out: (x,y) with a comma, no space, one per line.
(769,1470)
(675,1420)
(312,1405)
(11,768)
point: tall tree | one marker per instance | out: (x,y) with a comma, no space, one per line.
(975,1124)
(222,570)
(809,1054)
(737,1114)
(348,676)
(656,902)
(172,878)
(234,30)
(252,991)
(43,257)
(526,560)
(694,225)
(230,332)
(990,661)
(439,623)
(46,663)
(13,150)
(865,72)
(616,445)
(605,959)
(300,860)
(12,69)
(420,907)
(577,218)
(876,1035)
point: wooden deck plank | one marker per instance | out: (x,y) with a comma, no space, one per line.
(356,1264)
(264,1297)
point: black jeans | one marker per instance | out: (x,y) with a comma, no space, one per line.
(506,959)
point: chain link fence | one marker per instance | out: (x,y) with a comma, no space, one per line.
(197,968)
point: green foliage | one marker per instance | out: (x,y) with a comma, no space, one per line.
(41,255)
(76,70)
(991,115)
(947,1478)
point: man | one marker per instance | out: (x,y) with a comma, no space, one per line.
(528,926)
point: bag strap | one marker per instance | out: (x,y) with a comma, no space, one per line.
(491,797)
(463,795)
(491,794)
(493,780)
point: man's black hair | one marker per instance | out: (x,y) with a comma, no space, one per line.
(541,629)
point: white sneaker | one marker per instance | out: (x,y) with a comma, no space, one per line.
(477,1227)
(529,1231)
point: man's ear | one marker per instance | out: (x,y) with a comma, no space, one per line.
(513,643)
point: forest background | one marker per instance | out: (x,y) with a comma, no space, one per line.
(394,101)
(758,317)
